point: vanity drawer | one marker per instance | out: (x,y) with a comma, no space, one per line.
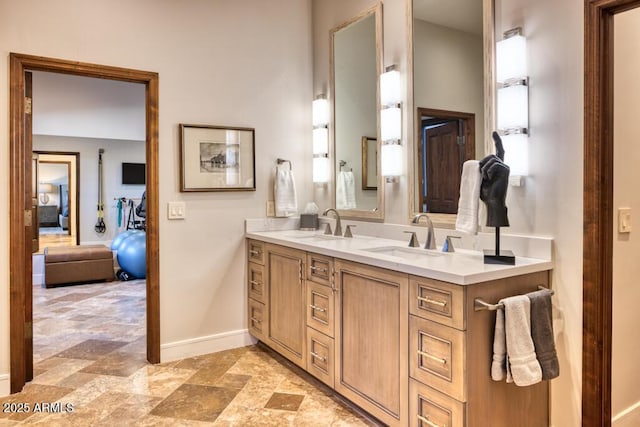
(320,269)
(437,356)
(255,251)
(257,320)
(320,304)
(437,301)
(256,283)
(320,356)
(429,408)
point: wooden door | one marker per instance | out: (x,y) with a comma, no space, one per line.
(286,306)
(371,340)
(442,154)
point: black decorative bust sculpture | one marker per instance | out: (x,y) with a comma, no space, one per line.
(493,192)
(495,181)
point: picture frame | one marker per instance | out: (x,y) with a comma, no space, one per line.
(369,163)
(217,158)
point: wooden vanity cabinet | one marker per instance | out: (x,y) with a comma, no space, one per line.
(371,339)
(286,301)
(409,350)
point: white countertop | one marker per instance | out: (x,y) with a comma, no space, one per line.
(463,267)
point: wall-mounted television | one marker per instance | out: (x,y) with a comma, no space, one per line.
(133,173)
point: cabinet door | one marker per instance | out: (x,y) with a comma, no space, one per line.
(286,304)
(371,340)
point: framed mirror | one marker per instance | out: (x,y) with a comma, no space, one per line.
(356,63)
(452,75)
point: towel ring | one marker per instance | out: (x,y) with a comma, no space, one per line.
(479,304)
(343,163)
(281,161)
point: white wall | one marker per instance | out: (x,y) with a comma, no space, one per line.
(625,393)
(66,105)
(116,152)
(239,63)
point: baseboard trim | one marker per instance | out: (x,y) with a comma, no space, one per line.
(203,345)
(5,385)
(627,417)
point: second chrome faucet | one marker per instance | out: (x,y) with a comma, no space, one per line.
(431,237)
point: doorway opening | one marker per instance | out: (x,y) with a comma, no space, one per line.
(23,221)
(59,198)
(447,140)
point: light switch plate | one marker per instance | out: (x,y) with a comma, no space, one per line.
(176,210)
(624,220)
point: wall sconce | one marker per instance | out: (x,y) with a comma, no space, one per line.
(390,125)
(320,111)
(513,100)
(45,190)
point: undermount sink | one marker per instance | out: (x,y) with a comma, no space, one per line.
(411,254)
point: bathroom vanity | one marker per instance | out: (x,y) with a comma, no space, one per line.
(395,330)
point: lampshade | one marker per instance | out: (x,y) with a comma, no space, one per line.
(511,58)
(516,154)
(320,111)
(391,124)
(320,170)
(45,188)
(320,140)
(513,107)
(391,160)
(390,87)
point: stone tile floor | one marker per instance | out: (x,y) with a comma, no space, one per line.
(90,370)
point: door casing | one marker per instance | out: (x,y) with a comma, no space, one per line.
(20,175)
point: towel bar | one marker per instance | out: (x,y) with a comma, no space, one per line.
(479,304)
(281,161)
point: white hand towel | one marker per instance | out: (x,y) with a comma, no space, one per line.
(286,202)
(467,219)
(346,190)
(521,356)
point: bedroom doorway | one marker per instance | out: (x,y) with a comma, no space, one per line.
(58,199)
(22,185)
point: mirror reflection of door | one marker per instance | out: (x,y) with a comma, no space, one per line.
(57,199)
(446,142)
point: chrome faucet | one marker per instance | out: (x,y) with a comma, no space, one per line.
(431,237)
(338,231)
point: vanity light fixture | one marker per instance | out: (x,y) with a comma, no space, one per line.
(513,101)
(320,111)
(391,125)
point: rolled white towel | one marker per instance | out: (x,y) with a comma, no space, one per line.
(468,204)
(286,202)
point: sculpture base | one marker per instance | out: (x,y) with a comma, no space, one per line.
(503,258)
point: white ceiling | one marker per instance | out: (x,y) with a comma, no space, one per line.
(462,15)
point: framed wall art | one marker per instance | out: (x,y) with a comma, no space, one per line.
(217,158)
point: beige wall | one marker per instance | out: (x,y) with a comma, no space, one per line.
(238,63)
(626,247)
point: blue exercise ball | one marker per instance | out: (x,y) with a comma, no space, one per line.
(132,255)
(117,241)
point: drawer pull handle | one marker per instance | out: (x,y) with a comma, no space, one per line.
(255,282)
(432,357)
(433,301)
(316,308)
(254,252)
(318,269)
(317,356)
(428,422)
(253,319)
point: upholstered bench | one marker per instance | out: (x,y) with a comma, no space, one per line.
(77,264)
